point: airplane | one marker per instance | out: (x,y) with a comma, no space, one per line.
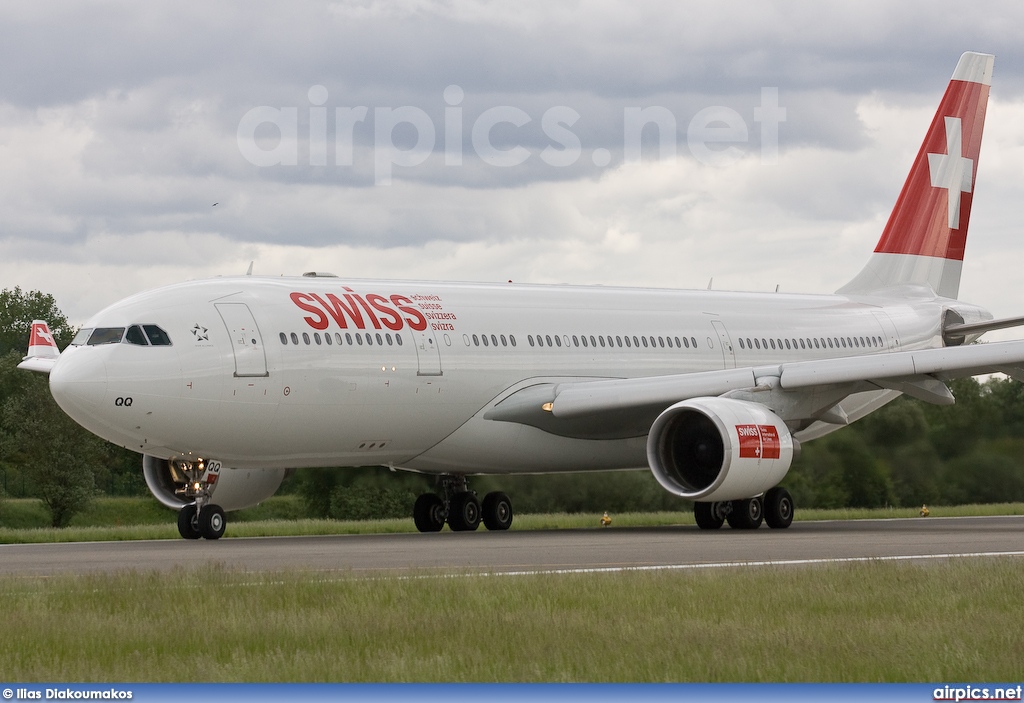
(226,386)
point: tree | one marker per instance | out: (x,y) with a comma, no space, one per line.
(36,434)
(17,310)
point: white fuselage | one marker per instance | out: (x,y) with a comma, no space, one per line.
(269,391)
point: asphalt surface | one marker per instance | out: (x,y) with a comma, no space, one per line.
(549,550)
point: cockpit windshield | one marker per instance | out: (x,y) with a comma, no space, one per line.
(82,337)
(105,335)
(147,335)
(141,335)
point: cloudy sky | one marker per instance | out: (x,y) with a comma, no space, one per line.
(487,141)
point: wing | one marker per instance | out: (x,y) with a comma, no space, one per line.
(800,392)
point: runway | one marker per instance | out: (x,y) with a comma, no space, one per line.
(532,551)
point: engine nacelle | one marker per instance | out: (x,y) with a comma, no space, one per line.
(712,449)
(232,489)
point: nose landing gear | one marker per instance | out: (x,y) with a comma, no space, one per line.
(200,518)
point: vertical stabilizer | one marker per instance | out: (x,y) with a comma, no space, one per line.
(42,349)
(924,239)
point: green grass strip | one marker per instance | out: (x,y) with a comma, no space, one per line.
(940,621)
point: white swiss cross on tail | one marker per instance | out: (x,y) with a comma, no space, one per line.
(924,239)
(952,170)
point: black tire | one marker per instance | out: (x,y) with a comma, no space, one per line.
(497,511)
(778,508)
(746,514)
(464,512)
(428,513)
(709,516)
(212,522)
(188,523)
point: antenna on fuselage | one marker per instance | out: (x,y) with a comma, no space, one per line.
(248,271)
(710,281)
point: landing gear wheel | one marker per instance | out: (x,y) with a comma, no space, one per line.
(709,516)
(428,513)
(778,508)
(464,512)
(212,522)
(746,514)
(497,511)
(188,523)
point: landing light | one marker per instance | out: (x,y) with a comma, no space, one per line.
(547,407)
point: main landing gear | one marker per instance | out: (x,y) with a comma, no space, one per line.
(460,508)
(775,508)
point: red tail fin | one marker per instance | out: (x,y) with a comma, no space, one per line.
(924,239)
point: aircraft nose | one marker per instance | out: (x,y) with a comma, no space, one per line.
(78,382)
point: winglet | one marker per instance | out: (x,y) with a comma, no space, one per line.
(923,242)
(42,349)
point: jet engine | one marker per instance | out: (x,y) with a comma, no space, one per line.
(718,449)
(232,489)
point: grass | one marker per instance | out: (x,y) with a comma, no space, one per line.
(116,519)
(956,621)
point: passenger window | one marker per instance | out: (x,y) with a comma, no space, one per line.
(328,339)
(644,340)
(600,339)
(547,338)
(494,341)
(305,337)
(348,339)
(618,341)
(636,342)
(802,346)
(398,338)
(678,345)
(787,344)
(593,342)
(529,338)
(295,338)
(135,336)
(773,343)
(359,339)
(476,341)
(693,341)
(757,343)
(337,338)
(584,339)
(483,338)
(661,341)
(512,339)
(741,343)
(503,343)
(628,343)
(316,337)
(380,340)
(575,341)
(558,340)
(284,338)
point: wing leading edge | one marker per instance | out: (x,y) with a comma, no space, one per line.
(800,392)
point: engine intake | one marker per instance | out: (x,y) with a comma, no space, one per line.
(234,489)
(713,449)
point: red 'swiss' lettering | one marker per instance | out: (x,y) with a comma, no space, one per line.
(391,318)
(759,442)
(361,312)
(419,323)
(320,321)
